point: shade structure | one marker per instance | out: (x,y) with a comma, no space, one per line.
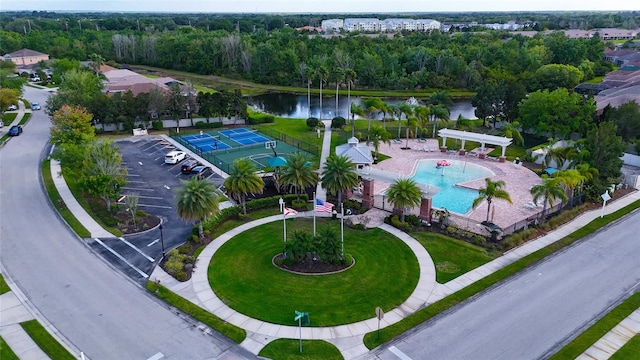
(442,164)
(276,161)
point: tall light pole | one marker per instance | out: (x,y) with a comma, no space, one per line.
(161,240)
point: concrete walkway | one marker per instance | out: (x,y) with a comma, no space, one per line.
(348,338)
(78,211)
(321,193)
(612,341)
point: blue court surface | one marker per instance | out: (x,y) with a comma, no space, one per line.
(205,142)
(244,136)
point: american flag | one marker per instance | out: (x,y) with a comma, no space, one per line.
(288,212)
(323,206)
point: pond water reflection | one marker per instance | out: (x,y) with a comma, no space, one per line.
(297,106)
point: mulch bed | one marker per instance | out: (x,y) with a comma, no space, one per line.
(143,223)
(309,266)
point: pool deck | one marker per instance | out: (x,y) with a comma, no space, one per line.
(518,179)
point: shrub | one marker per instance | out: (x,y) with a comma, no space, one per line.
(414,220)
(141,213)
(451,230)
(358,226)
(279,262)
(337,122)
(209,125)
(157,125)
(395,222)
(184,248)
(260,118)
(347,259)
(312,122)
(299,204)
(181,276)
(479,240)
(173,266)
(244,217)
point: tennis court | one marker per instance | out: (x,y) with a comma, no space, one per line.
(244,136)
(205,142)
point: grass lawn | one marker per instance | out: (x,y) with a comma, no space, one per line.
(45,341)
(24,119)
(231,331)
(630,350)
(453,257)
(97,209)
(59,204)
(372,340)
(8,118)
(581,343)
(243,276)
(5,351)
(289,349)
(4,288)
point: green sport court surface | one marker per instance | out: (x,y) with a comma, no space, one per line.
(222,147)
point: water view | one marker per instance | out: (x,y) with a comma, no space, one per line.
(297,106)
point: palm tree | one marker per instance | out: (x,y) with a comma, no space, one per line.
(355,110)
(549,190)
(571,179)
(404,194)
(309,74)
(422,114)
(339,78)
(492,190)
(242,181)
(510,130)
(298,173)
(371,106)
(377,135)
(441,98)
(438,113)
(321,73)
(338,175)
(196,200)
(350,78)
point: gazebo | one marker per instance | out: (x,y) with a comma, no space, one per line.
(483,139)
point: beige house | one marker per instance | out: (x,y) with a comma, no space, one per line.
(26,57)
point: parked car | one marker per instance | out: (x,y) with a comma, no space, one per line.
(12,107)
(188,166)
(36,79)
(35,106)
(1,124)
(202,172)
(15,130)
(174,157)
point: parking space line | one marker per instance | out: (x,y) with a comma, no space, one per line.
(136,249)
(153,242)
(121,258)
(156,206)
(137,189)
(149,147)
(132,175)
(157,356)
(399,353)
(147,197)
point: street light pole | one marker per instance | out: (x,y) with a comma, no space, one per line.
(161,240)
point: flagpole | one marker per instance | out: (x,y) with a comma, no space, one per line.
(314,214)
(342,226)
(284,222)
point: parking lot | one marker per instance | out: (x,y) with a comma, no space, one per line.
(155,183)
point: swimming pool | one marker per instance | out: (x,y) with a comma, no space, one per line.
(453,198)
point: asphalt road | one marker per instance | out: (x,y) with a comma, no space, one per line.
(533,314)
(96,308)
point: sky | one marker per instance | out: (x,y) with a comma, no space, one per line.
(321,6)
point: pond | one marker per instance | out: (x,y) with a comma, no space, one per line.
(297,106)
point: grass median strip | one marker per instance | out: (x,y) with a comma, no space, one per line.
(5,351)
(583,341)
(45,341)
(629,350)
(371,339)
(59,204)
(286,349)
(229,330)
(4,288)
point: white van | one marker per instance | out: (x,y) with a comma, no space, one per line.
(175,157)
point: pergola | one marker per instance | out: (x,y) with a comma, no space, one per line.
(483,139)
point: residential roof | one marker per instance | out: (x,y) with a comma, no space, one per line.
(25,53)
(122,80)
(356,152)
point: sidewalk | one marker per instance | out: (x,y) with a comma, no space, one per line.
(348,338)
